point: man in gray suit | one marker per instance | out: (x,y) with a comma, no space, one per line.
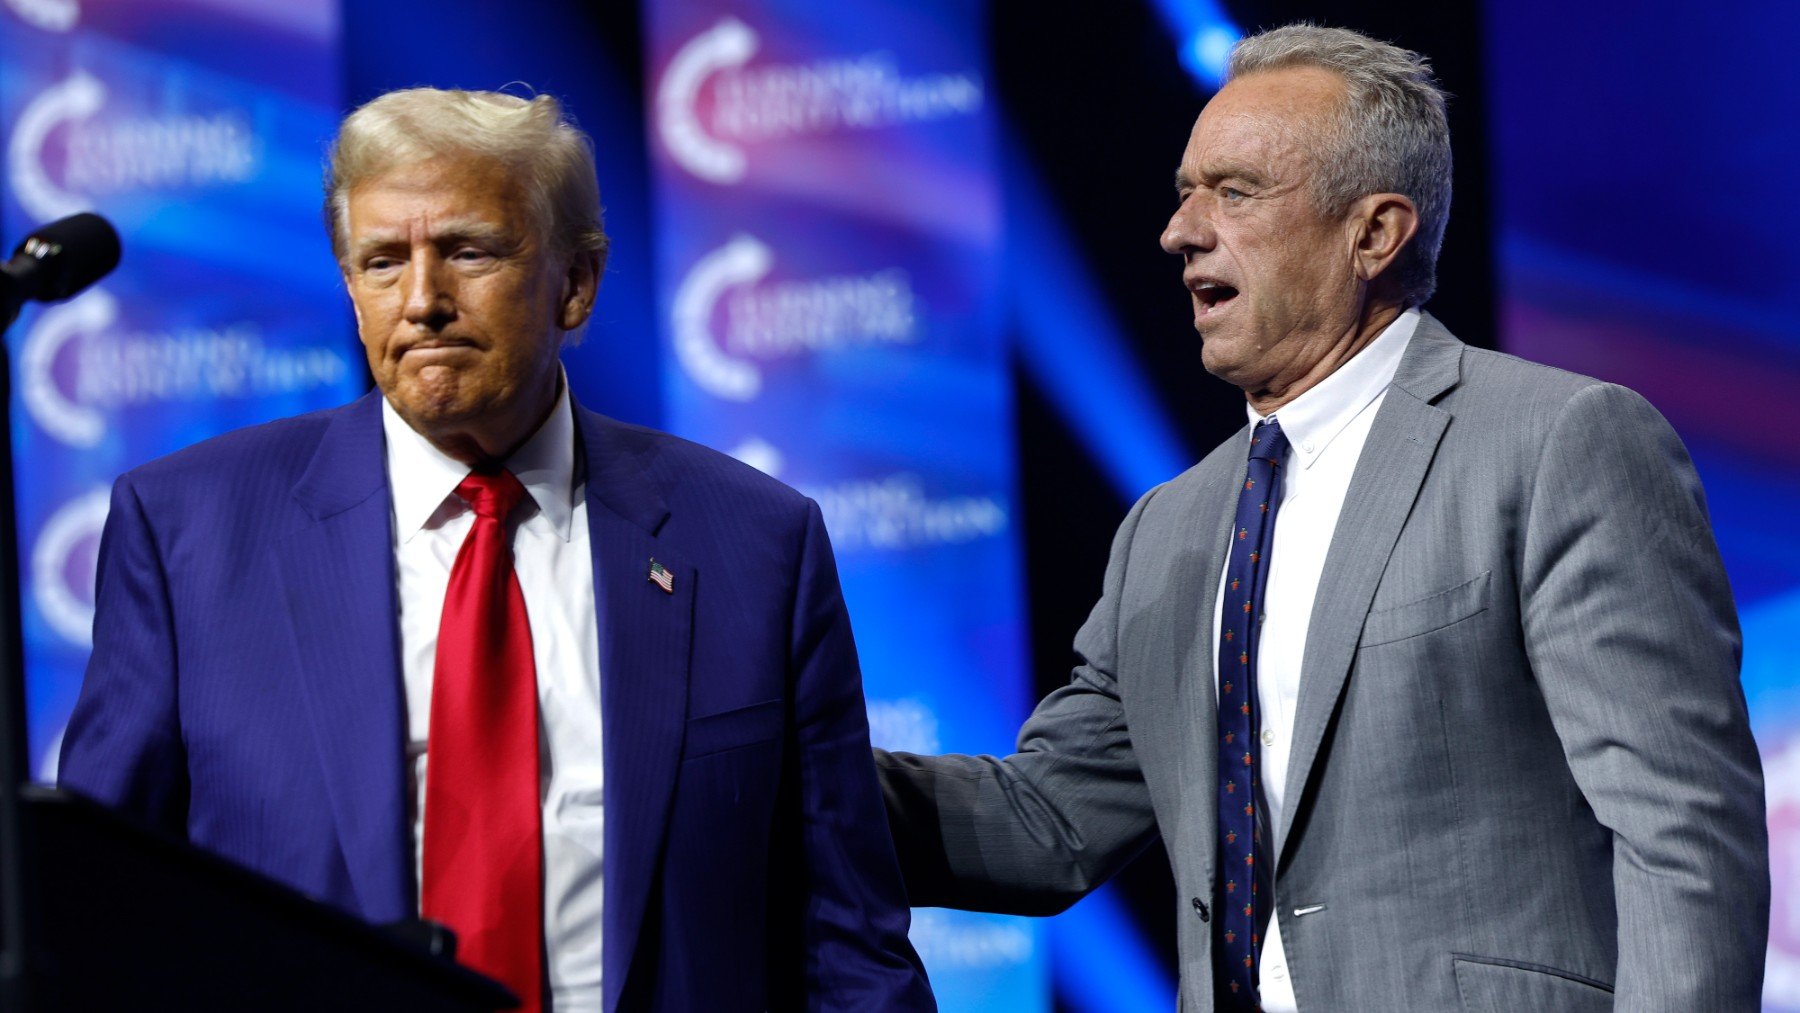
(1483,745)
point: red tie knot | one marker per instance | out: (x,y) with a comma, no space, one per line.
(491,493)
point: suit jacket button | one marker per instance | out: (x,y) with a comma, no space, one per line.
(1200,909)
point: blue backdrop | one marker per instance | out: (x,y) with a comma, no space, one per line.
(826,227)
(1644,178)
(823,233)
(196,126)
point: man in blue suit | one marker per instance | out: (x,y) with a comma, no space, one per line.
(625,657)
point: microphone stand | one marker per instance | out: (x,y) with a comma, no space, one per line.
(15,764)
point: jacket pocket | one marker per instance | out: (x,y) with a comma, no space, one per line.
(743,726)
(1496,985)
(1433,612)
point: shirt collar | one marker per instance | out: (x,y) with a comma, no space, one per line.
(424,478)
(1314,419)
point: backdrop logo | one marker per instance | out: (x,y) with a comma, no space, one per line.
(50,15)
(76,368)
(102,155)
(895,513)
(727,44)
(780,320)
(711,102)
(63,563)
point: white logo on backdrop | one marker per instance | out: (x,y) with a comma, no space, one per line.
(50,15)
(894,513)
(886,513)
(742,261)
(75,367)
(62,582)
(785,320)
(727,44)
(75,99)
(75,424)
(143,153)
(752,104)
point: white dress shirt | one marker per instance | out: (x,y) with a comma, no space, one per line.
(1326,428)
(556,574)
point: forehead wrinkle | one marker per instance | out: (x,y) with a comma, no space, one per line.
(1252,145)
(1282,118)
(465,227)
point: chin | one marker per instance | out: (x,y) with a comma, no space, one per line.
(1221,356)
(432,408)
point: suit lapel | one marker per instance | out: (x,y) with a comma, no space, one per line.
(336,570)
(1392,468)
(645,637)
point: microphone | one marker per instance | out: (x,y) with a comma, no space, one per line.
(57,261)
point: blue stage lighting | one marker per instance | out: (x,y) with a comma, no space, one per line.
(1205,36)
(1102,963)
(1074,350)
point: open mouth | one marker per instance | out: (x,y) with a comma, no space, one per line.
(1213,295)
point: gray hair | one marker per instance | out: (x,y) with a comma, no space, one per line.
(532,137)
(1391,136)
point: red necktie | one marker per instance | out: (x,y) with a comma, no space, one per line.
(483,865)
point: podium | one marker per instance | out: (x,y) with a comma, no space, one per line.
(113,916)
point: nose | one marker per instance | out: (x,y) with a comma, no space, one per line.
(430,300)
(1189,229)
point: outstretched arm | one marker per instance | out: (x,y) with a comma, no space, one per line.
(1036,831)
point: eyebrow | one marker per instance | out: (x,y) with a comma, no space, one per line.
(449,230)
(1184,181)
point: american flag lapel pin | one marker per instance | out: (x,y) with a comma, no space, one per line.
(661,577)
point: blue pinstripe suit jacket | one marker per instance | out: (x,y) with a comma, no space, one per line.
(245,692)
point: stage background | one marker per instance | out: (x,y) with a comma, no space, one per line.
(965,340)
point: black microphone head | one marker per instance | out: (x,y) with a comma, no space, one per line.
(70,254)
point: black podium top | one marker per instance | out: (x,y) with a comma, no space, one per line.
(118,917)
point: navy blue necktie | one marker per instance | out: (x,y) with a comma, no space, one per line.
(1240,898)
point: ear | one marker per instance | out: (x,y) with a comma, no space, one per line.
(1382,224)
(580,285)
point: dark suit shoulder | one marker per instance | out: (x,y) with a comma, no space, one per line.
(691,475)
(255,469)
(283,446)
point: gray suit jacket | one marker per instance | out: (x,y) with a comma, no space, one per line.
(1522,774)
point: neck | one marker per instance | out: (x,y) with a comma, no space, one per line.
(1282,390)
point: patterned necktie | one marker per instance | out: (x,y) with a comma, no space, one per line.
(483,864)
(1238,895)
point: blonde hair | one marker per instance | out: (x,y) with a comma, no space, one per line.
(532,137)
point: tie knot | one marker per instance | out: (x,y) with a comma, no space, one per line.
(491,493)
(1267,442)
